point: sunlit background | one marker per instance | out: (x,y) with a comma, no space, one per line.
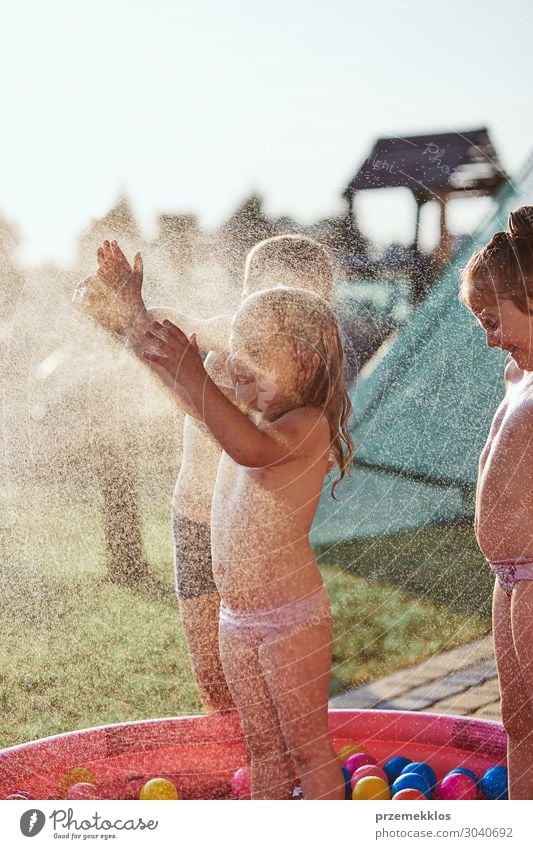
(189,106)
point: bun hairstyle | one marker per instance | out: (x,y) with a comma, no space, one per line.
(504,267)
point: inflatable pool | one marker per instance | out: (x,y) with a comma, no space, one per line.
(200,754)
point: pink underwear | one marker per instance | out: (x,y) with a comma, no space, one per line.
(512,570)
(255,626)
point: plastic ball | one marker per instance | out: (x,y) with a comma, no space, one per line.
(76,775)
(358,759)
(465,771)
(371,788)
(241,784)
(83,790)
(494,783)
(366,771)
(394,766)
(348,749)
(424,770)
(347,785)
(408,794)
(457,785)
(158,788)
(20,794)
(411,781)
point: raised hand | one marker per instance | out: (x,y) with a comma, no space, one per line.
(124,283)
(175,352)
(113,296)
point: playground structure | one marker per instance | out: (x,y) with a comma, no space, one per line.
(422,409)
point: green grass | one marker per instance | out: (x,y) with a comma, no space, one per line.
(79,651)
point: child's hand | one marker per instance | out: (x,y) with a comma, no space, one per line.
(123,282)
(175,352)
(94,298)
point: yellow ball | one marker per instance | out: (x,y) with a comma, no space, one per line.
(371,787)
(158,788)
(348,749)
(76,775)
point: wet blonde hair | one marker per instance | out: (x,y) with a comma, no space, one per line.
(504,267)
(309,322)
(291,260)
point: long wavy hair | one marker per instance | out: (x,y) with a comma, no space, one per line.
(310,325)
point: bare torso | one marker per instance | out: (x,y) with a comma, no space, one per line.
(201,455)
(504,498)
(261,520)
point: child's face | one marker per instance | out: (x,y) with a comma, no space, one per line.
(506,327)
(262,363)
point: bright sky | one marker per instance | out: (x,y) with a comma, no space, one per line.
(189,105)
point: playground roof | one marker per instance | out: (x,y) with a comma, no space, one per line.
(445,163)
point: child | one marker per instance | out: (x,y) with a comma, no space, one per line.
(275,621)
(497,286)
(294,260)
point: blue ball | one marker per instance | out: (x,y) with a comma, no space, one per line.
(394,767)
(494,783)
(347,787)
(465,771)
(411,780)
(424,770)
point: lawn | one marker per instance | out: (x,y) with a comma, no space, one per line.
(80,651)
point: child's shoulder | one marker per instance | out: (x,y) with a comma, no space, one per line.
(305,424)
(513,373)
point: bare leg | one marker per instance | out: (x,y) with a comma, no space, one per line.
(200,623)
(522,627)
(297,665)
(517,715)
(272,768)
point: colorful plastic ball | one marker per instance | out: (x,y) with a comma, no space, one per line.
(358,759)
(348,749)
(366,771)
(465,771)
(83,790)
(371,788)
(494,783)
(347,785)
(394,766)
(457,785)
(409,794)
(424,770)
(20,794)
(76,775)
(158,788)
(411,781)
(241,784)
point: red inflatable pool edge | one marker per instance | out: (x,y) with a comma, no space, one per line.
(201,753)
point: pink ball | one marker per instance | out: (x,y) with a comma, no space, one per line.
(83,790)
(358,759)
(19,794)
(241,784)
(365,772)
(456,786)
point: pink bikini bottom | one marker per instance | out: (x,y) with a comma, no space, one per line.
(255,626)
(512,570)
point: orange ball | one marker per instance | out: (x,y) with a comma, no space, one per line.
(348,749)
(371,787)
(407,794)
(158,788)
(76,775)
